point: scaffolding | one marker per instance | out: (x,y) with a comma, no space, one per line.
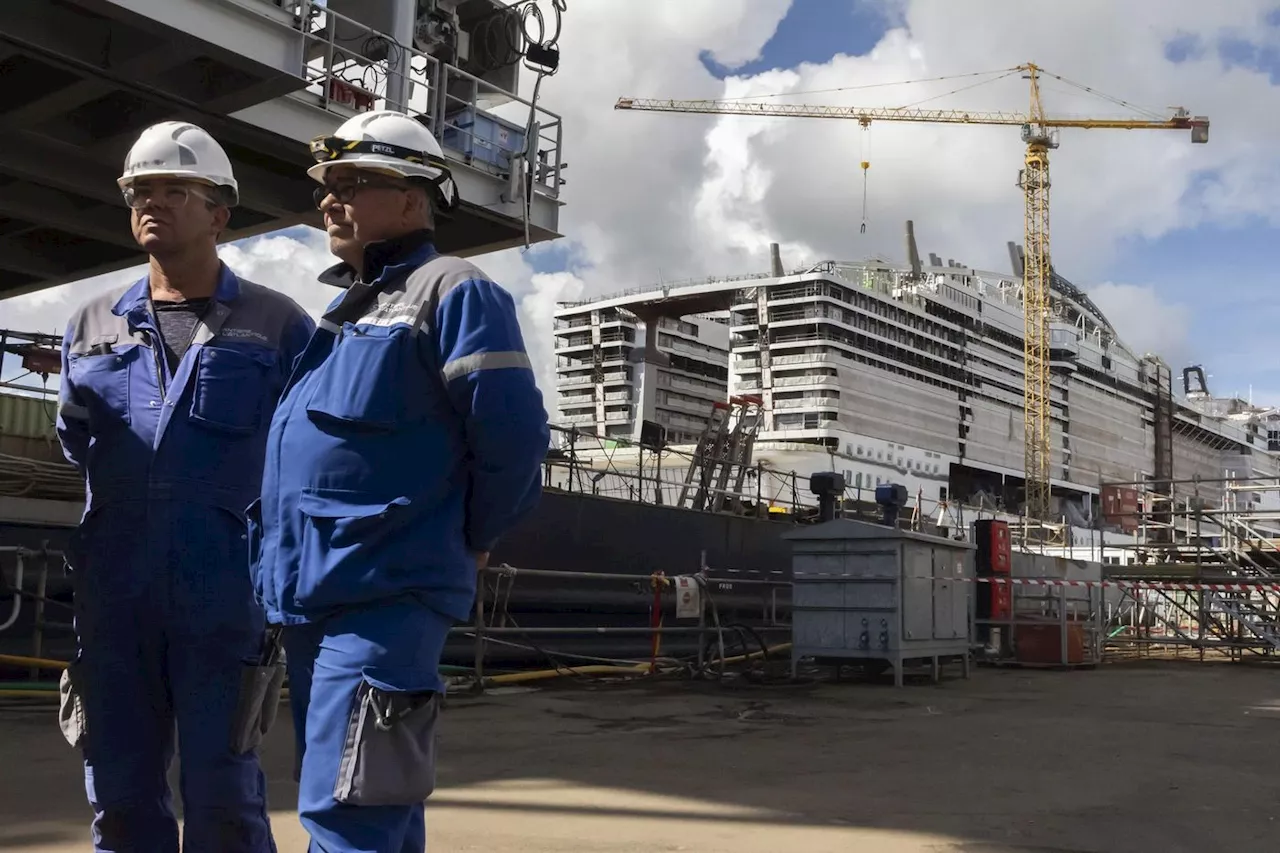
(724,447)
(1202,571)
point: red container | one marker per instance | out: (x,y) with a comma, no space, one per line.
(1120,506)
(995,547)
(1043,643)
(1001,599)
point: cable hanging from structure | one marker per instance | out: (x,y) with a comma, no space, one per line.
(866,164)
(519,31)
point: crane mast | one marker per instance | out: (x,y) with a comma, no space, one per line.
(1037,412)
(1039,135)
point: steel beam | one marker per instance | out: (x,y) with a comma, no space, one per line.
(17,258)
(72,171)
(33,203)
(89,89)
(107,33)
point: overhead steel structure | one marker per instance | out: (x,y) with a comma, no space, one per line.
(1039,132)
(84,77)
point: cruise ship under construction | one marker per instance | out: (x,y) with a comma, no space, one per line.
(907,374)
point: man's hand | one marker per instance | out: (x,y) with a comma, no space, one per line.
(482,560)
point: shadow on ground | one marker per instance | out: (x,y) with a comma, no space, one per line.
(1136,757)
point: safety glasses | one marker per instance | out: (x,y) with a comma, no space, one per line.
(344,190)
(165,195)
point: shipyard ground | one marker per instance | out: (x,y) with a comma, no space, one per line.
(1159,757)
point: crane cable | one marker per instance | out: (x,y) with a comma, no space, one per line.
(866,164)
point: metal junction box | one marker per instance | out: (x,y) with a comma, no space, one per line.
(870,592)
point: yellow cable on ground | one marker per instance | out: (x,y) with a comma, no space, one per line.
(43,663)
(638,669)
(44,694)
(509,678)
(540,674)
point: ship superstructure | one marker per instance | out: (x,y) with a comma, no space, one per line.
(614,371)
(912,374)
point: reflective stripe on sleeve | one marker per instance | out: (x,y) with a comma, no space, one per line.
(484,361)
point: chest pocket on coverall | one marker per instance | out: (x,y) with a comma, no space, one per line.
(369,380)
(102,383)
(230,387)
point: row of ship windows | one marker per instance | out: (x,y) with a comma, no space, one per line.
(670,341)
(862,316)
(859,480)
(867,302)
(925,336)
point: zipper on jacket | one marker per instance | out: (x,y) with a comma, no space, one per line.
(155,360)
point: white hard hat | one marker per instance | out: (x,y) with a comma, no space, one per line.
(179,149)
(388,141)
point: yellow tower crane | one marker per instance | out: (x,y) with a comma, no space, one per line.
(1038,132)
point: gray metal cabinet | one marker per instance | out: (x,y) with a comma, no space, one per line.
(870,592)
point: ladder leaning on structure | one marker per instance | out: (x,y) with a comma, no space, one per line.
(722,448)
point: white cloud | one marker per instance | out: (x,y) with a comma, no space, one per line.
(654,194)
(290,264)
(958,182)
(1147,323)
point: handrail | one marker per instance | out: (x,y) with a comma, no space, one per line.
(347,67)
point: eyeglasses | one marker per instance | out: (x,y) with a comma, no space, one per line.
(344,190)
(169,195)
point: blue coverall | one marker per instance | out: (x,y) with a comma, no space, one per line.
(411,436)
(165,613)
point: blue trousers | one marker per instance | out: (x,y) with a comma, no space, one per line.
(165,619)
(393,646)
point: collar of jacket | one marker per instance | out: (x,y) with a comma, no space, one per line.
(413,247)
(135,298)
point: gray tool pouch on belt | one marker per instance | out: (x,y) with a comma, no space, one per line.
(256,705)
(389,758)
(71,707)
(259,696)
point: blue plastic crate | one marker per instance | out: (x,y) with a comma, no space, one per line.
(487,138)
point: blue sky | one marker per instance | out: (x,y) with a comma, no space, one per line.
(815,31)
(1223,273)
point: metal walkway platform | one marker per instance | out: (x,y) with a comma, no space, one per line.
(83,77)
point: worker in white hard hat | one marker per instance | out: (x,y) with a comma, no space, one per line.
(410,439)
(168,386)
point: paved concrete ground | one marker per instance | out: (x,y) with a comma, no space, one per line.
(1157,758)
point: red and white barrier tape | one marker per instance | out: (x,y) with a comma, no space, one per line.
(1183,586)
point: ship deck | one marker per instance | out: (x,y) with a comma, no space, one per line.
(1007,762)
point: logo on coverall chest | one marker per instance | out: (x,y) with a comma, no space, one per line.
(392,313)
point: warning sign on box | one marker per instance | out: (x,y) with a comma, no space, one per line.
(688,598)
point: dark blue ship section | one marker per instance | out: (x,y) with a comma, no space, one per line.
(577,532)
(567,532)
(585,533)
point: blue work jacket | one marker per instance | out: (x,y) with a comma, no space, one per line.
(138,433)
(411,436)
